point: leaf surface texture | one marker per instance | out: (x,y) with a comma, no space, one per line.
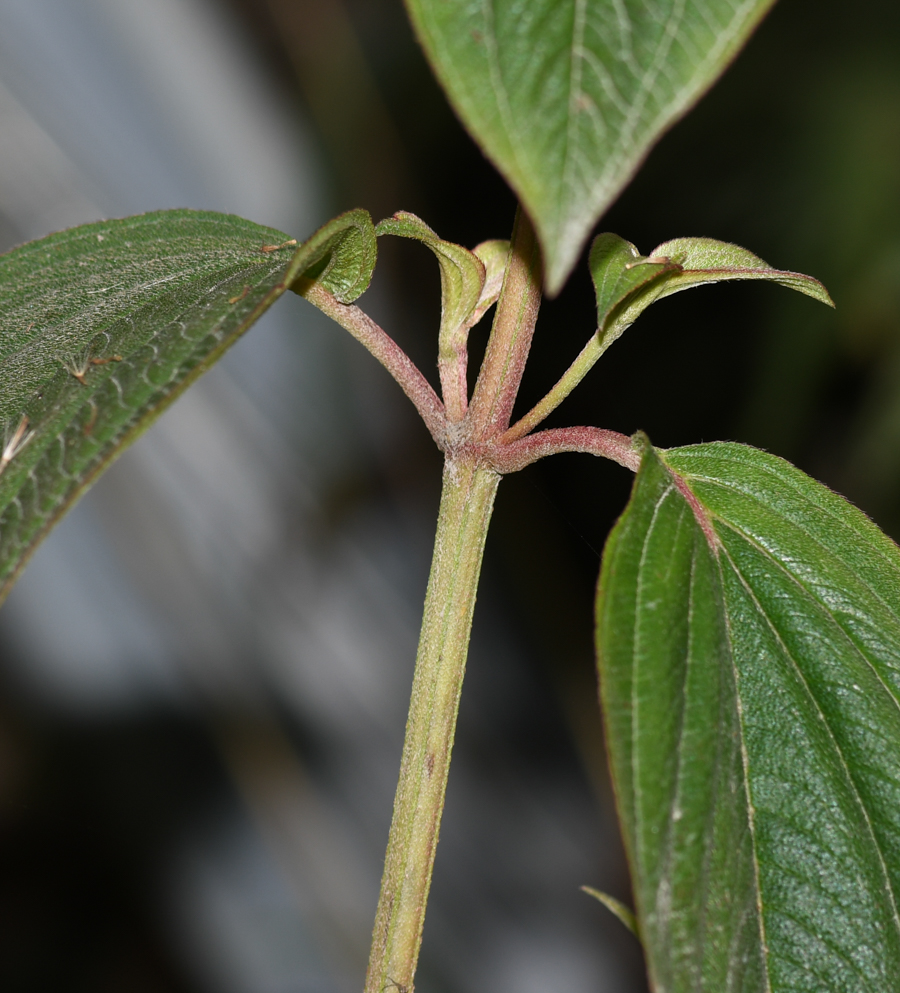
(567,96)
(749,650)
(102,326)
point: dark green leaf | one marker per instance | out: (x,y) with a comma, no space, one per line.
(567,96)
(102,326)
(749,650)
(340,255)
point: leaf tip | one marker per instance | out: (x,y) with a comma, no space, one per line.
(625,914)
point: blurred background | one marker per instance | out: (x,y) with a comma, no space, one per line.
(204,670)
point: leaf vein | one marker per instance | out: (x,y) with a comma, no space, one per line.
(837,748)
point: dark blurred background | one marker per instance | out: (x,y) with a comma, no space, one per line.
(204,670)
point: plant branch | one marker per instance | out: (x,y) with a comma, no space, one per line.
(466,504)
(453,359)
(511,456)
(510,340)
(386,350)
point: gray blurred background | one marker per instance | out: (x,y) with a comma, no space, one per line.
(204,670)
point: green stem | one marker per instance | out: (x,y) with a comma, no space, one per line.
(466,504)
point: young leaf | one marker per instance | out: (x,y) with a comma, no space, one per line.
(705,260)
(104,325)
(749,650)
(619,271)
(493,255)
(567,96)
(340,256)
(626,282)
(462,285)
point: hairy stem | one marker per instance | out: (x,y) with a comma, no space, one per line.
(386,350)
(466,504)
(453,358)
(513,456)
(510,340)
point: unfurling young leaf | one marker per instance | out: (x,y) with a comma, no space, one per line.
(493,255)
(105,324)
(705,260)
(748,637)
(468,289)
(626,282)
(566,97)
(619,271)
(340,256)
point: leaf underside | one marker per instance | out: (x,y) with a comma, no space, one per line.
(568,96)
(750,686)
(626,283)
(102,326)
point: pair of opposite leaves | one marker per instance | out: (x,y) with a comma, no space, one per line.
(760,807)
(105,324)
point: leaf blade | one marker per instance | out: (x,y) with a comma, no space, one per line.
(816,724)
(566,97)
(103,326)
(621,276)
(706,260)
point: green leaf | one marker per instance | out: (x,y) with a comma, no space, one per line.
(749,650)
(619,272)
(462,275)
(567,96)
(626,282)
(340,255)
(705,260)
(102,326)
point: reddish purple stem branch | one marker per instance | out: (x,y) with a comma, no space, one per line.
(388,353)
(504,457)
(515,455)
(700,514)
(510,340)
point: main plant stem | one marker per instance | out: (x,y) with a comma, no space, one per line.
(467,501)
(479,446)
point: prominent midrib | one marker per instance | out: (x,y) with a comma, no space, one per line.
(709,820)
(802,495)
(676,793)
(182,369)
